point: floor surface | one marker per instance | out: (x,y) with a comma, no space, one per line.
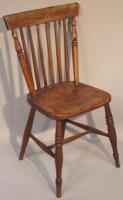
(89,172)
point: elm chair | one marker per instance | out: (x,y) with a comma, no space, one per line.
(57,98)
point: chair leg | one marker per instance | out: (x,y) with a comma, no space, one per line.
(112,134)
(59,155)
(27,133)
(63,127)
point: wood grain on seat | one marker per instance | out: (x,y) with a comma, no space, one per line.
(67,99)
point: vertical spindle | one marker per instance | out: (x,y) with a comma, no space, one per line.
(41,55)
(47,28)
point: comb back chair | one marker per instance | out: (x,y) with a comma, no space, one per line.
(60,99)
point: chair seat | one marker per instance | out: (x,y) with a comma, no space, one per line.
(63,100)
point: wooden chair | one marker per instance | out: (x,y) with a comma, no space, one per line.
(62,98)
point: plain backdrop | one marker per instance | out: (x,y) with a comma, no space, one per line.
(100,36)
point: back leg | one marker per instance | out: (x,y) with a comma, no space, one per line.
(112,134)
(27,132)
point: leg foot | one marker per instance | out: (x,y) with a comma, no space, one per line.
(58,188)
(116,158)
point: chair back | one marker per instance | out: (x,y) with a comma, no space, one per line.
(32,60)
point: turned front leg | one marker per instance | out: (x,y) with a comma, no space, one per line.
(59,156)
(112,133)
